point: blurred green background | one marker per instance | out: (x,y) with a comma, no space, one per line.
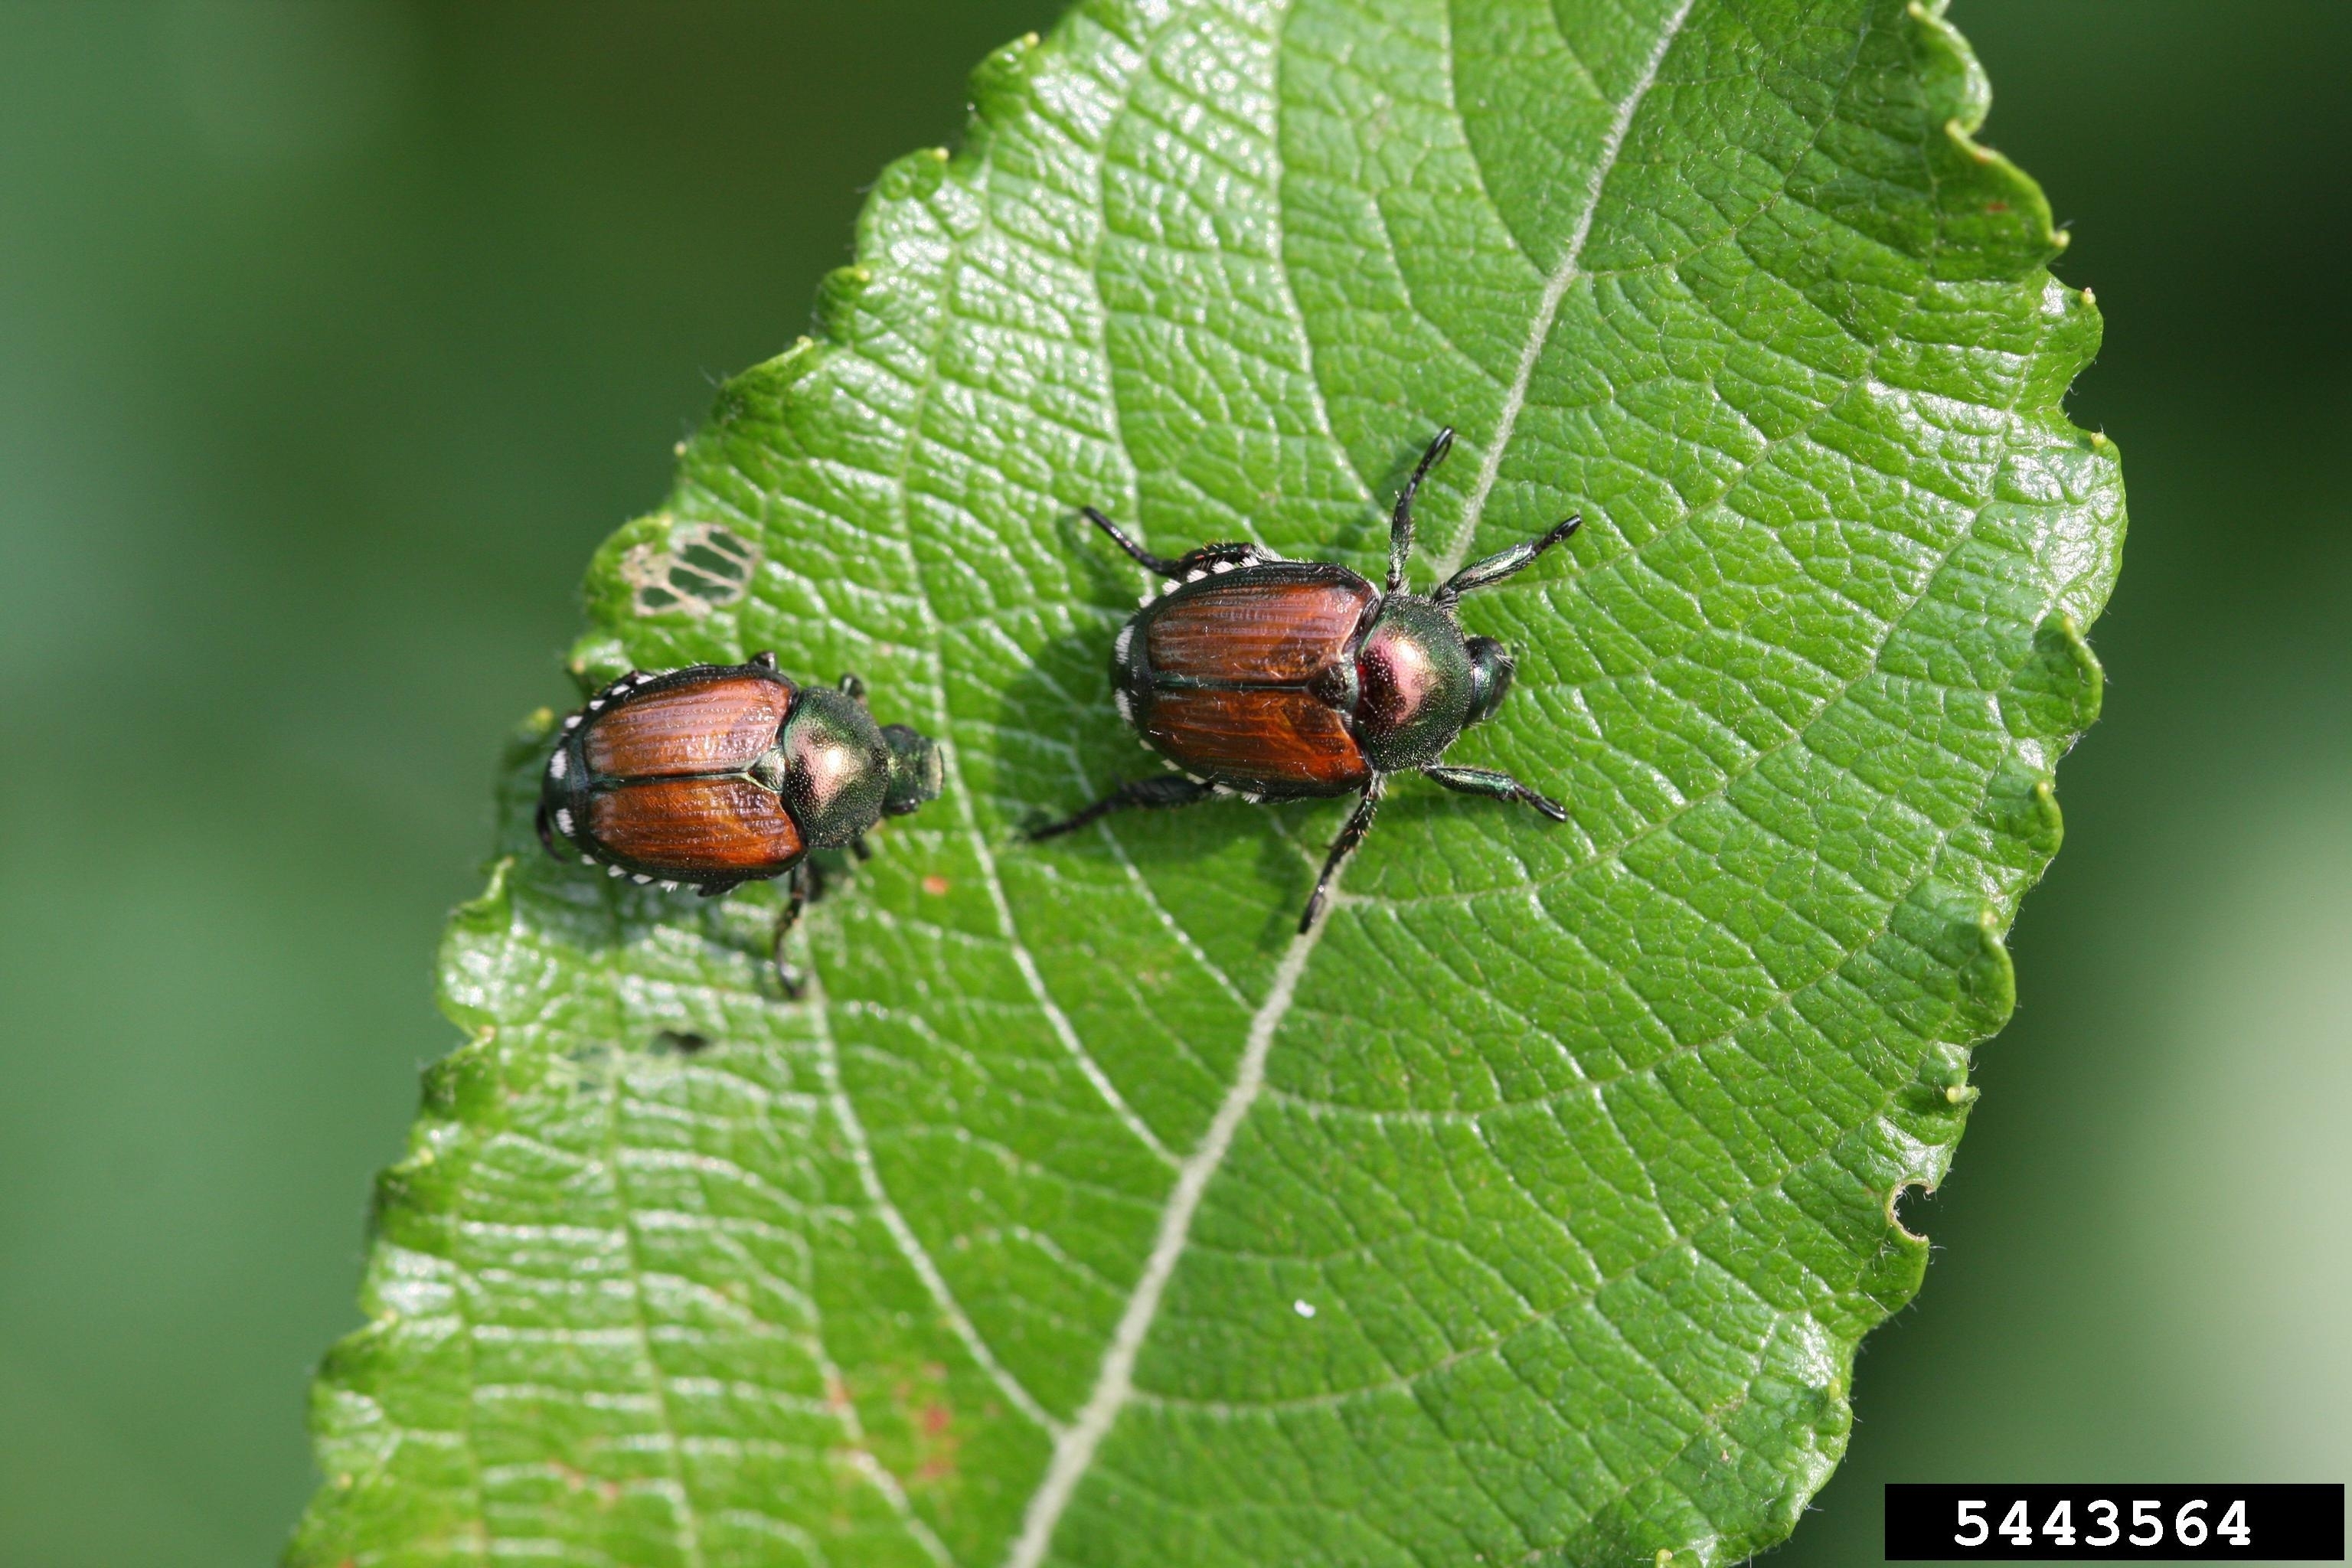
(333,335)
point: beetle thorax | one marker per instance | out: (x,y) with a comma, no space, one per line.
(1414,676)
(831,766)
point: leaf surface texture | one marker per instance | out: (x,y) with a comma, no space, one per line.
(1530,1211)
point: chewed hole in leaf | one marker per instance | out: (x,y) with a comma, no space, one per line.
(1907,1193)
(701,567)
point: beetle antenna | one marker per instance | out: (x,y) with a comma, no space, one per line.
(1502,565)
(1143,558)
(1401,531)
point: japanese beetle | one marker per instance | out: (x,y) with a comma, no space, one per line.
(721,774)
(1281,680)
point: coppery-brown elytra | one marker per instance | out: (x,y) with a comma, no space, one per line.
(721,774)
(1280,679)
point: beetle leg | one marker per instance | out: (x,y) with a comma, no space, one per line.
(1401,530)
(1143,558)
(803,889)
(547,833)
(853,686)
(1495,787)
(860,851)
(765,660)
(1502,564)
(1359,824)
(1167,790)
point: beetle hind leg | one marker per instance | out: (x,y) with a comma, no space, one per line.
(1495,787)
(1143,558)
(1167,790)
(803,887)
(1359,823)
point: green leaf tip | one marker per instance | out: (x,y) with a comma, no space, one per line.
(1084,1215)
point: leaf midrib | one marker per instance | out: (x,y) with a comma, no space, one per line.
(689,1525)
(1074,1448)
(902,1234)
(1075,1442)
(1563,278)
(1747,677)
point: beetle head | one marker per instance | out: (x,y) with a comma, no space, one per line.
(915,772)
(1491,670)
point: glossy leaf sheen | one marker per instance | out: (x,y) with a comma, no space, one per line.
(1531,1211)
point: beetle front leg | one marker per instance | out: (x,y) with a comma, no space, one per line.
(1167,790)
(1503,565)
(1359,823)
(1495,787)
(1401,526)
(803,889)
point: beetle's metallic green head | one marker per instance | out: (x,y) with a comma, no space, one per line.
(1491,670)
(915,772)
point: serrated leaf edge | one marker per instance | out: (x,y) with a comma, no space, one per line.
(1002,86)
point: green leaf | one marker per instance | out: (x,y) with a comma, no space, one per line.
(1532,1209)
